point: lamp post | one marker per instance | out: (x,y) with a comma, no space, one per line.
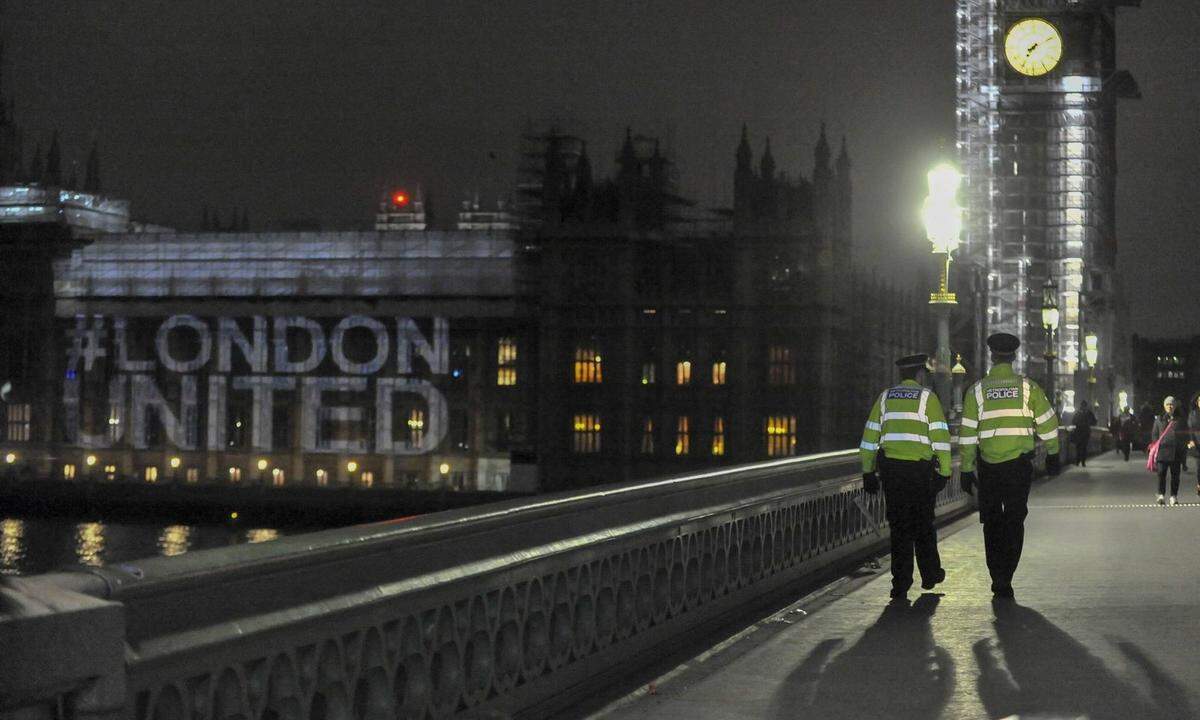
(943,225)
(1091,351)
(1050,323)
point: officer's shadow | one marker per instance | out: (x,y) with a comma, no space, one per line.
(894,671)
(1035,669)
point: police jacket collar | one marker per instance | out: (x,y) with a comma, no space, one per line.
(910,383)
(1001,371)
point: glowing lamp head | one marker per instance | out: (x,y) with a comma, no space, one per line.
(400,199)
(444,468)
(262,464)
(351,466)
(1123,400)
(176,462)
(90,460)
(1091,350)
(940,213)
(10,458)
(1050,316)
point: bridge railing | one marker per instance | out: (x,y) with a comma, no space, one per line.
(508,609)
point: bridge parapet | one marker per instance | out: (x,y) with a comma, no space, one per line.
(515,608)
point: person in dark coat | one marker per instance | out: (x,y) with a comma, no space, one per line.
(1194,442)
(1172,449)
(1123,428)
(1084,421)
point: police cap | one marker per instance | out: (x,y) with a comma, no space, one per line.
(920,360)
(1003,343)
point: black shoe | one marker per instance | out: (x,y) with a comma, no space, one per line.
(898,594)
(928,583)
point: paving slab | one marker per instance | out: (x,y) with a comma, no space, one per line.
(1105,626)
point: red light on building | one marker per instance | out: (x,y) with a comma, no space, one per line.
(400,198)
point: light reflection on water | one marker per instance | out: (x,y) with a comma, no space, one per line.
(34,545)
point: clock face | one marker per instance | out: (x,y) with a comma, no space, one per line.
(1033,47)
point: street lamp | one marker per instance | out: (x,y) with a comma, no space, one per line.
(1091,351)
(943,225)
(1050,323)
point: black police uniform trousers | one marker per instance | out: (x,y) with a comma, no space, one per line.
(910,498)
(1003,505)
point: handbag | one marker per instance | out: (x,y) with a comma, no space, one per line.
(1152,451)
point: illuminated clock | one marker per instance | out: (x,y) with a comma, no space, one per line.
(1033,47)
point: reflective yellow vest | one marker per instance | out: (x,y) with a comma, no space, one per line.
(907,423)
(1003,416)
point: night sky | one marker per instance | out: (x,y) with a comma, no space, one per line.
(305,110)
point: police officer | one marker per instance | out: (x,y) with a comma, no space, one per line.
(1004,414)
(906,434)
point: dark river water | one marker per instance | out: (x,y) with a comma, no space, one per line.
(36,545)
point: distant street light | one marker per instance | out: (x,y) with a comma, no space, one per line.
(943,226)
(1050,323)
(1091,352)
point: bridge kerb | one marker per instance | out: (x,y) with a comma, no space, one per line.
(516,608)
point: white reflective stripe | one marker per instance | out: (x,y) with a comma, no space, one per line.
(993,414)
(868,446)
(939,426)
(873,425)
(902,416)
(921,406)
(968,422)
(942,446)
(969,440)
(883,404)
(979,396)
(1025,398)
(1045,416)
(1005,432)
(1048,436)
(904,437)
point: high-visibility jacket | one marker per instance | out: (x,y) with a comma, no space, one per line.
(1003,416)
(907,423)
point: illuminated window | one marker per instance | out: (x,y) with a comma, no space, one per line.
(683,372)
(110,472)
(322,478)
(277,477)
(367,479)
(506,361)
(648,436)
(780,369)
(587,365)
(235,474)
(20,420)
(193,475)
(649,373)
(683,435)
(416,427)
(151,473)
(69,471)
(718,438)
(586,438)
(781,435)
(718,372)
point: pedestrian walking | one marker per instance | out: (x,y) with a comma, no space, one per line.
(1169,449)
(906,444)
(1004,415)
(1194,430)
(1124,426)
(1084,421)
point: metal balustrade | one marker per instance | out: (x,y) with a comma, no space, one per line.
(517,608)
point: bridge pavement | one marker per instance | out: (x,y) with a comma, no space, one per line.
(1106,625)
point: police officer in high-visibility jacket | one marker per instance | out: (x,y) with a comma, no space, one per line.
(907,432)
(1004,414)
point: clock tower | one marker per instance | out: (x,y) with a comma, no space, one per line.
(1037,92)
